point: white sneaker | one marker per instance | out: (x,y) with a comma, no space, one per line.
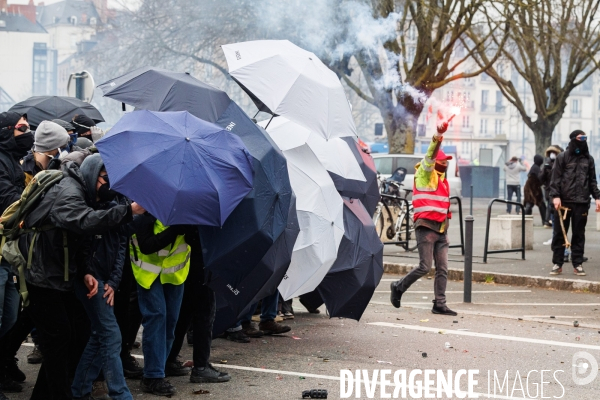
(548,242)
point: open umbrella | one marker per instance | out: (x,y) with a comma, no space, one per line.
(155,89)
(320,210)
(183,170)
(350,283)
(42,108)
(283,79)
(335,154)
(255,238)
(367,191)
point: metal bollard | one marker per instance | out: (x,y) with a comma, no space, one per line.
(468,270)
(471,209)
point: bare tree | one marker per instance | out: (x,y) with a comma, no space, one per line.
(553,46)
(441,25)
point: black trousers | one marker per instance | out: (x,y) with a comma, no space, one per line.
(11,342)
(127,309)
(63,332)
(576,216)
(198,310)
(541,207)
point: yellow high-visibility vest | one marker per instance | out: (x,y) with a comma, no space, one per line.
(172,263)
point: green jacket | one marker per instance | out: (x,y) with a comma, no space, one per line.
(426,179)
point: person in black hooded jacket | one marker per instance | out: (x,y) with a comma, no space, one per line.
(15,141)
(573,182)
(59,256)
(533,189)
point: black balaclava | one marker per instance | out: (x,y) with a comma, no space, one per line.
(578,147)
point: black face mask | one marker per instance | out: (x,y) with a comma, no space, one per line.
(25,142)
(105,193)
(441,168)
(579,147)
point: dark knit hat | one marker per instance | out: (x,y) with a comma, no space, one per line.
(576,133)
(9,119)
(82,123)
(66,125)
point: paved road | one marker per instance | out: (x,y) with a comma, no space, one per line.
(487,335)
(538,261)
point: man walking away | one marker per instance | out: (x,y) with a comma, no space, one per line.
(431,202)
(513,170)
(533,189)
(573,182)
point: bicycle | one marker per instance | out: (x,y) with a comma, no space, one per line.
(394,215)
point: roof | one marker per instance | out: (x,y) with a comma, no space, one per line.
(18,23)
(59,13)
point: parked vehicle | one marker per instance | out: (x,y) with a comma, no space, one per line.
(386,164)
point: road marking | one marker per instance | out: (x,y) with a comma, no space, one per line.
(459,291)
(497,304)
(485,335)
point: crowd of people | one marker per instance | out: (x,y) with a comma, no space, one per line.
(561,185)
(87,267)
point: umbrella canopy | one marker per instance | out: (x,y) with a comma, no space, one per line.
(366,191)
(334,154)
(250,253)
(266,275)
(283,79)
(155,89)
(47,108)
(320,210)
(183,170)
(350,283)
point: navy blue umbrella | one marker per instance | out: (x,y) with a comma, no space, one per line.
(248,256)
(156,89)
(367,192)
(350,283)
(183,170)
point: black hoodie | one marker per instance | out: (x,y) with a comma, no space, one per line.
(12,179)
(68,207)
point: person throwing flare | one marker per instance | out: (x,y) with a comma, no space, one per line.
(431,202)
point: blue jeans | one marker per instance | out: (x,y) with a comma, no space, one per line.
(159,306)
(510,189)
(9,298)
(103,348)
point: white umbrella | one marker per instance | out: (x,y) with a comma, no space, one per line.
(320,217)
(334,154)
(284,79)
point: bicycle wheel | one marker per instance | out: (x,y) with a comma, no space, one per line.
(379,219)
(410,236)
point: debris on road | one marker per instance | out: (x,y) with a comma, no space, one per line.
(424,355)
(201,391)
(423,320)
(576,324)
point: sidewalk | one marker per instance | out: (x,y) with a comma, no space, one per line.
(508,267)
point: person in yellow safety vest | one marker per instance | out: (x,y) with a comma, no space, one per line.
(431,203)
(160,259)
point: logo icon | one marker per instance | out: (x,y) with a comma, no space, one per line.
(584,368)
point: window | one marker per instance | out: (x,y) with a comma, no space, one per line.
(484,97)
(465,147)
(598,99)
(575,107)
(72,20)
(93,21)
(40,75)
(588,83)
(383,165)
(483,126)
(411,54)
(498,100)
(498,127)
(465,121)
(450,96)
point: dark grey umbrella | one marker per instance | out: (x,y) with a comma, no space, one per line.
(156,89)
(350,283)
(47,108)
(367,192)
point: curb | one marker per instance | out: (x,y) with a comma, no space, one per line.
(504,279)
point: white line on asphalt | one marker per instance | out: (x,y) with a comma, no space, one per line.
(498,304)
(460,291)
(485,335)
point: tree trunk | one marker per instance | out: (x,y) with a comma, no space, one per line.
(542,132)
(401,125)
